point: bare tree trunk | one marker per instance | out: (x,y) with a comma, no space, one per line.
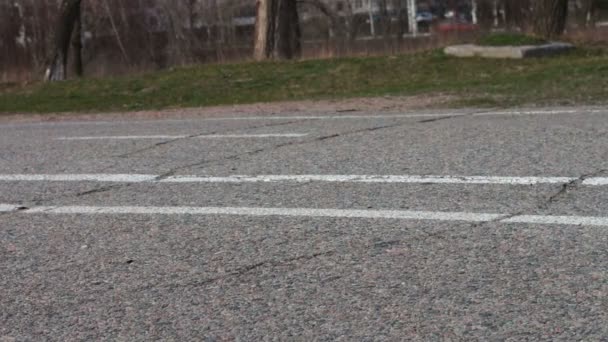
(495,11)
(401,21)
(385,19)
(277,30)
(474,18)
(549,17)
(352,25)
(220,39)
(516,14)
(262,29)
(411,16)
(589,8)
(191,14)
(77,45)
(370,13)
(68,16)
(115,29)
(288,32)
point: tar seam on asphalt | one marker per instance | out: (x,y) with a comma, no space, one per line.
(243,270)
(172,171)
(192,136)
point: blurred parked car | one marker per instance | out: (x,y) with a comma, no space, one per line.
(425,17)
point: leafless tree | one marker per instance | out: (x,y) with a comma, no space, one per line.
(118,36)
(68,18)
(277,30)
(77,45)
(586,11)
(549,17)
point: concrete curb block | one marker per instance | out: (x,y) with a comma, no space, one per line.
(512,52)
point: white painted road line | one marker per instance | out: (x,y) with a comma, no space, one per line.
(541,112)
(244,211)
(567,220)
(112,178)
(125,137)
(596,181)
(7,208)
(374,179)
(211,136)
(306,212)
(337,117)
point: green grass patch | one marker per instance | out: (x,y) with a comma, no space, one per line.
(509,39)
(578,77)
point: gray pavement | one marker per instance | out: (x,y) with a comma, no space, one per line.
(144,274)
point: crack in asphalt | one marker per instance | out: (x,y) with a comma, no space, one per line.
(154,146)
(243,270)
(449,117)
(162,143)
(99,190)
(573,185)
(322,138)
(565,188)
(569,187)
(192,136)
(454,116)
(304,142)
(386,244)
(40,201)
(233,157)
(173,171)
(273,148)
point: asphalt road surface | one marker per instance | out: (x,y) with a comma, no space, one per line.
(456,225)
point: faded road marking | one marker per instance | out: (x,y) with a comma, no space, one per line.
(306,212)
(211,136)
(374,179)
